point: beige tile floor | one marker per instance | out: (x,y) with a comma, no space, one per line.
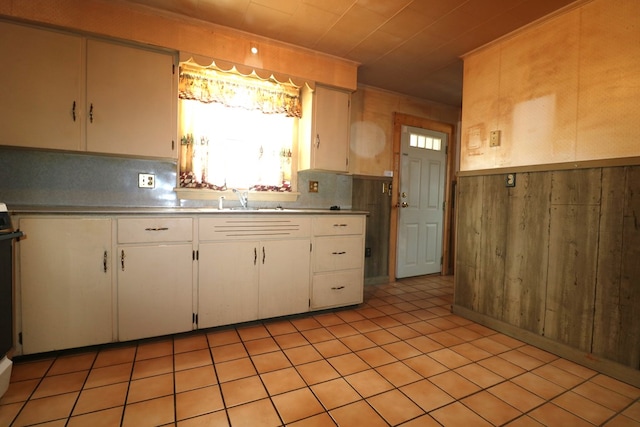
(401,358)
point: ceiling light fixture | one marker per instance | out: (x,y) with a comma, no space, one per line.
(254,49)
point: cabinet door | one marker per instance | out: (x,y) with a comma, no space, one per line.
(228,283)
(155,287)
(130,101)
(41,83)
(284,277)
(65,283)
(331,137)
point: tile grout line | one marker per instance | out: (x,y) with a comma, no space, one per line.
(81,388)
(218,383)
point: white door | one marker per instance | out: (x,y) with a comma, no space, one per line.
(129,100)
(154,290)
(41,88)
(421,202)
(65,282)
(228,283)
(331,137)
(284,277)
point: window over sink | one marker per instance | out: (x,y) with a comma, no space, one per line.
(236,131)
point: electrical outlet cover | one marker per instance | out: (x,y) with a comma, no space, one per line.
(510,180)
(146,180)
(494,138)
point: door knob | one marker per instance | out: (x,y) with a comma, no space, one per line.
(404,204)
(403,195)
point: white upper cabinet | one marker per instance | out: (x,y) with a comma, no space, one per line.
(68,92)
(129,100)
(41,88)
(324,130)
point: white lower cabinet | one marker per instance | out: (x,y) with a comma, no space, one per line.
(252,267)
(228,283)
(338,261)
(65,280)
(86,280)
(284,277)
(155,277)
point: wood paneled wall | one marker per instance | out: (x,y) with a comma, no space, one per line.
(557,256)
(564,89)
(371,194)
(372,126)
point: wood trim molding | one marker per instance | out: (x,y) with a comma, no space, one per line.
(584,164)
(400,119)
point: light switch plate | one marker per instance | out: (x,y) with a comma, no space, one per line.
(494,138)
(146,180)
(313,186)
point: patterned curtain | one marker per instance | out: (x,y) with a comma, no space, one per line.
(234,90)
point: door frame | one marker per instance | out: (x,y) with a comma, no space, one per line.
(399,120)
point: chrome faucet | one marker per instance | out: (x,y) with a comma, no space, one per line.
(243,197)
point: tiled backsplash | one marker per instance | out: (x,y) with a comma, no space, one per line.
(49,178)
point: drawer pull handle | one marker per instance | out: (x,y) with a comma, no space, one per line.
(339,253)
(104,261)
(156,229)
(339,225)
(337,288)
(122,259)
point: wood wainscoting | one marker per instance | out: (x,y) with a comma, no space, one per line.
(555,256)
(372,194)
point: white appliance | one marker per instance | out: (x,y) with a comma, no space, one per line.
(7,238)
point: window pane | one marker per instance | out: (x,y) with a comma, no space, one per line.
(235,147)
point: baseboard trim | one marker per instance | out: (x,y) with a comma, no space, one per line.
(613,369)
(376,280)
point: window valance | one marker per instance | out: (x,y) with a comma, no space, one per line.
(210,84)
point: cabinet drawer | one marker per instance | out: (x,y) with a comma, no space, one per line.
(336,289)
(152,229)
(337,253)
(259,227)
(332,225)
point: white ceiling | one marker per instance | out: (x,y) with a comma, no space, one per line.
(407,46)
